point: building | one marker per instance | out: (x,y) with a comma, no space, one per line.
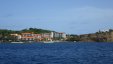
(17,36)
(27,37)
(38,37)
(30,36)
(46,36)
(59,35)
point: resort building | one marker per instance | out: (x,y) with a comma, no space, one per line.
(59,36)
(27,37)
(46,36)
(30,36)
(17,36)
(38,37)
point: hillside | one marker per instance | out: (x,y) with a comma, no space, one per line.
(34,30)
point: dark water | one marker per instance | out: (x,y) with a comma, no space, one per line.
(57,53)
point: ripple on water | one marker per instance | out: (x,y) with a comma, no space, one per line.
(59,53)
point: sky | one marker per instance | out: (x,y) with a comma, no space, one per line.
(69,16)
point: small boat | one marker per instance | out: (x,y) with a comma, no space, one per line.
(17,42)
(48,42)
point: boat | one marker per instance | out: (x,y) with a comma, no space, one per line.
(74,41)
(48,42)
(17,42)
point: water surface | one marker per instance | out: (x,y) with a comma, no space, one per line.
(57,53)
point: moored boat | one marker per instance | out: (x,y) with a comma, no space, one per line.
(17,42)
(48,42)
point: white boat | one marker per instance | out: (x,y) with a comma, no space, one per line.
(48,42)
(17,42)
(74,41)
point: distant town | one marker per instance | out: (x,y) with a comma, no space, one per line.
(31,35)
(41,35)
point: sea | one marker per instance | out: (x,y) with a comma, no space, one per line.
(57,53)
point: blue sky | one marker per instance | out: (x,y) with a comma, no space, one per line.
(69,16)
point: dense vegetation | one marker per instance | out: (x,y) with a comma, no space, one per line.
(73,37)
(35,30)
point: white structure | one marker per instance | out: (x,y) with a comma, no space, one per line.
(58,35)
(64,35)
(19,37)
(52,34)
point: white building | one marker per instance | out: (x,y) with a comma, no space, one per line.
(58,35)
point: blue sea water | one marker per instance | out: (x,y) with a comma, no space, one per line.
(57,53)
